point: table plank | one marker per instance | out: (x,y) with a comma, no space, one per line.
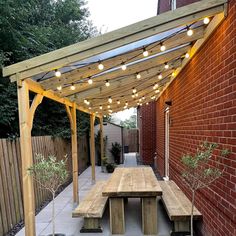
(132,182)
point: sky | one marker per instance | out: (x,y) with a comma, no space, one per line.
(109,15)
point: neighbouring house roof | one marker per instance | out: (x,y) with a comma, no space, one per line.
(78,63)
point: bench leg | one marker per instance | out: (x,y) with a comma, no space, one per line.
(91,225)
(182,226)
(117,216)
(149,215)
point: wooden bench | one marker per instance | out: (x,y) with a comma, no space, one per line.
(92,208)
(178,207)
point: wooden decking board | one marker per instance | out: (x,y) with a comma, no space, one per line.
(132,182)
(94,203)
(177,205)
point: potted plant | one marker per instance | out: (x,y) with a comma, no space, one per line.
(198,173)
(104,163)
(116,151)
(50,174)
(110,167)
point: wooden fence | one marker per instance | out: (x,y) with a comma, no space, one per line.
(131,139)
(11,202)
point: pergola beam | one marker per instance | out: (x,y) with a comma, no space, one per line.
(131,56)
(143,29)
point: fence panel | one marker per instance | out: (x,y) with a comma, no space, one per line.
(131,139)
(11,199)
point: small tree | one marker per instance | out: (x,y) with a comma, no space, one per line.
(116,151)
(197,171)
(50,174)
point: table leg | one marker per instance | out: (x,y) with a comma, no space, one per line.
(117,216)
(149,215)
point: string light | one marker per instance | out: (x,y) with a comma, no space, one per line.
(72,87)
(110,111)
(59,88)
(160,76)
(155,86)
(140,99)
(104,116)
(108,106)
(85,100)
(147,103)
(206,20)
(166,65)
(125,107)
(90,108)
(123,67)
(134,90)
(153,97)
(100,107)
(157,91)
(107,83)
(189,31)
(145,52)
(133,95)
(100,66)
(57,73)
(110,100)
(126,103)
(143,98)
(173,74)
(163,47)
(138,76)
(187,55)
(118,102)
(136,95)
(140,104)
(90,81)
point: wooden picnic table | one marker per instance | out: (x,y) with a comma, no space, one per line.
(136,182)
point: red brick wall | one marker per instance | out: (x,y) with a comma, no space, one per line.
(147,127)
(204,108)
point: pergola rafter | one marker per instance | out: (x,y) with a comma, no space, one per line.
(36,75)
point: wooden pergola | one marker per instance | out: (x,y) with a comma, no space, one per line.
(130,77)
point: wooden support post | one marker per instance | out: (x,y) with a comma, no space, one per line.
(101,140)
(71,112)
(149,215)
(27,159)
(91,225)
(92,146)
(117,215)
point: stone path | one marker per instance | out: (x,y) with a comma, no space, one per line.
(71,226)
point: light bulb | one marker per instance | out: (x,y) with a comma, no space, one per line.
(143,98)
(147,103)
(110,100)
(189,31)
(123,67)
(118,102)
(134,90)
(163,47)
(206,20)
(85,100)
(72,87)
(136,95)
(157,91)
(104,116)
(145,52)
(107,83)
(96,112)
(160,76)
(187,55)
(59,88)
(125,107)
(90,81)
(166,66)
(90,108)
(140,99)
(173,74)
(57,73)
(100,107)
(88,102)
(126,103)
(133,95)
(108,106)
(100,66)
(138,76)
(110,111)
(138,103)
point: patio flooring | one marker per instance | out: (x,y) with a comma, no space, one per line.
(71,226)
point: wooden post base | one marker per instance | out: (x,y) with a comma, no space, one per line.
(91,225)
(149,215)
(117,216)
(181,227)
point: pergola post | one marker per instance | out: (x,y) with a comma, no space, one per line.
(101,140)
(92,146)
(71,112)
(26,115)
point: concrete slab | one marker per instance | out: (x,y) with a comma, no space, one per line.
(71,226)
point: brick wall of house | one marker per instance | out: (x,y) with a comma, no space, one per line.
(204,108)
(147,128)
